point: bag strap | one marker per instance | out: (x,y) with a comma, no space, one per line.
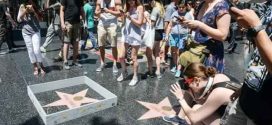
(228,84)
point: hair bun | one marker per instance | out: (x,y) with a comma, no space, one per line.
(210,71)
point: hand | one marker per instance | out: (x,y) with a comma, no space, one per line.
(166,38)
(63,27)
(29,8)
(128,15)
(192,24)
(14,24)
(176,90)
(246,18)
(106,10)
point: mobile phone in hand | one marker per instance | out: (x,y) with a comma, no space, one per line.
(122,11)
(179,18)
(102,10)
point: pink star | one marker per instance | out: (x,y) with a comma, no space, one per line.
(157,110)
(72,100)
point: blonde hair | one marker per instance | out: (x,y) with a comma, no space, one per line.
(159,4)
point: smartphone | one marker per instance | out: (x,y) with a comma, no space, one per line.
(122,11)
(102,10)
(179,18)
(182,84)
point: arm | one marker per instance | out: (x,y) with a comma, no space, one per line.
(97,8)
(168,30)
(10,18)
(153,17)
(264,46)
(216,98)
(140,18)
(221,33)
(21,13)
(167,17)
(82,13)
(62,17)
(47,4)
(248,18)
(37,14)
(115,12)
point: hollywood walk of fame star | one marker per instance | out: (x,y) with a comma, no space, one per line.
(157,110)
(72,100)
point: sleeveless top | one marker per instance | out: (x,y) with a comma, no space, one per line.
(30,22)
(131,30)
(107,18)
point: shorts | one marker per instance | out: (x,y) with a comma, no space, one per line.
(177,40)
(72,33)
(159,34)
(105,32)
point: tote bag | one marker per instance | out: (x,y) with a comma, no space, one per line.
(149,36)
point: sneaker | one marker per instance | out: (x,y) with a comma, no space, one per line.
(43,50)
(122,76)
(175,120)
(76,64)
(159,76)
(133,82)
(100,68)
(66,66)
(150,74)
(114,69)
(174,69)
(177,75)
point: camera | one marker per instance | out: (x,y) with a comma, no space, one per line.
(182,84)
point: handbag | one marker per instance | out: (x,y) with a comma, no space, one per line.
(149,36)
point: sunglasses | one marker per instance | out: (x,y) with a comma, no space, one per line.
(184,83)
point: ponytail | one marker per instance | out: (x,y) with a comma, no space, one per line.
(210,71)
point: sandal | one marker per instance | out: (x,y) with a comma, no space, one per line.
(36,71)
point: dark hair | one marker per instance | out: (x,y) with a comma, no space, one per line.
(199,70)
(138,3)
(147,7)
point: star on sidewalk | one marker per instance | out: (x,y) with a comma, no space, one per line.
(157,110)
(72,100)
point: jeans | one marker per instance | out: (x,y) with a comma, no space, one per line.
(33,46)
(53,30)
(90,36)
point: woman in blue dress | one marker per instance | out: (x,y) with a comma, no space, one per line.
(211,29)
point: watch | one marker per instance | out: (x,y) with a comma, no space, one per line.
(252,32)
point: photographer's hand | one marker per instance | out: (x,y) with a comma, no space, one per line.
(246,18)
(176,90)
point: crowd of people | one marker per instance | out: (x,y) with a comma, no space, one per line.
(193,31)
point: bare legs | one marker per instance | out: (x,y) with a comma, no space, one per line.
(149,59)
(156,51)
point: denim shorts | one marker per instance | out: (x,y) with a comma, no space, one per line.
(177,40)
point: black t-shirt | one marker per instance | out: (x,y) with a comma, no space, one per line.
(2,14)
(257,105)
(72,10)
